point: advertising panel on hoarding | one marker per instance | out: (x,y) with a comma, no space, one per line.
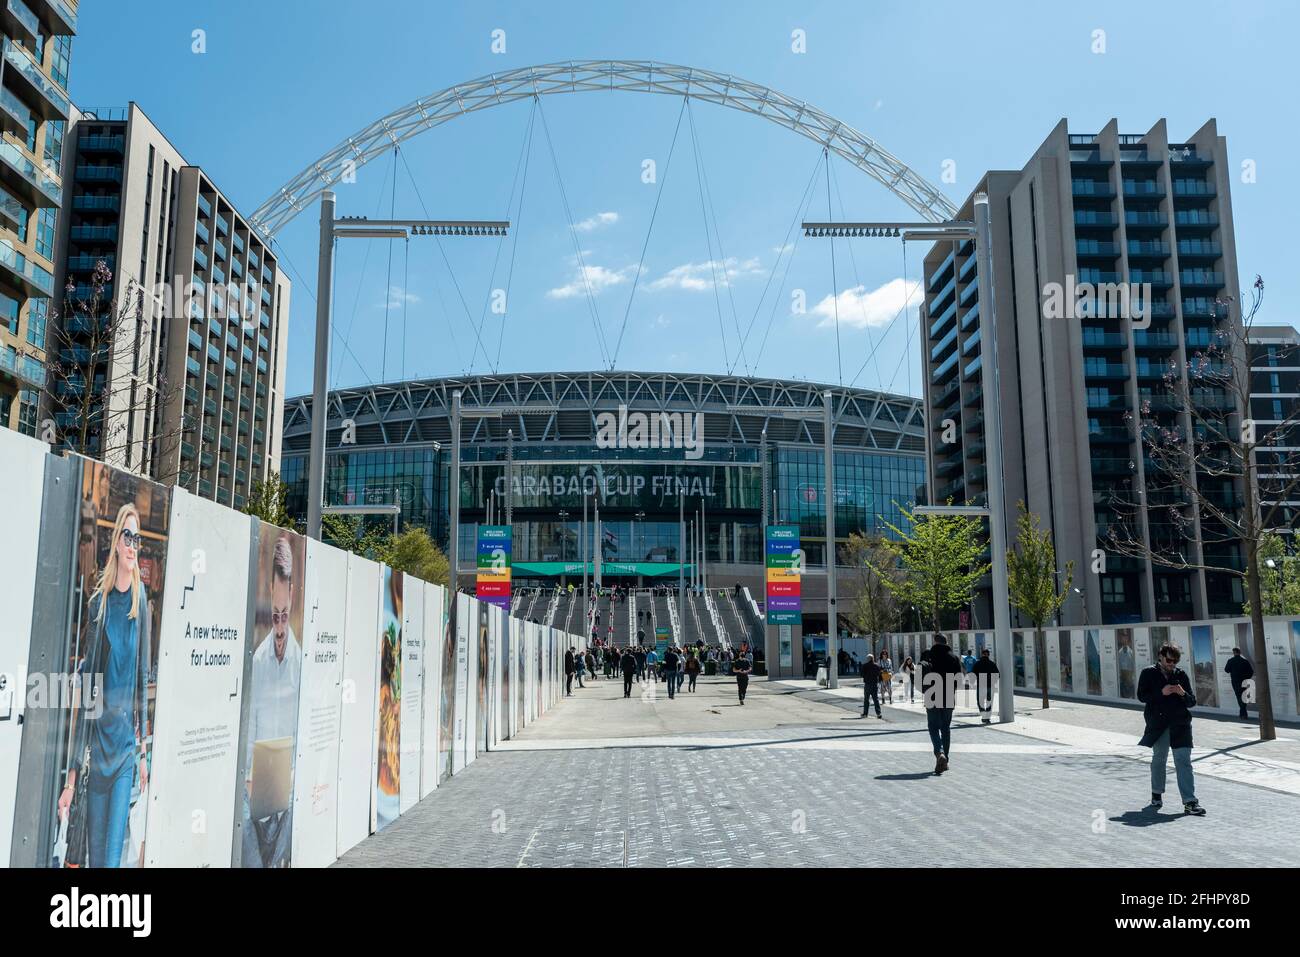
(435,630)
(316,777)
(22,456)
(466,626)
(1092,656)
(1226,637)
(412,696)
(360,686)
(494,552)
(1284,665)
(1058,663)
(388,760)
(200,665)
(1078,663)
(1018,650)
(1126,663)
(111,660)
(273,680)
(1033,667)
(1109,666)
(1201,667)
(784,571)
(1145,643)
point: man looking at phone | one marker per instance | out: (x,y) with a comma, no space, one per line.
(1167,693)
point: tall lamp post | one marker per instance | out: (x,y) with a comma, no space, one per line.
(332,229)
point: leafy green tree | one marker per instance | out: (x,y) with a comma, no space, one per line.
(267,502)
(1032,583)
(351,533)
(941,560)
(874,608)
(1279,577)
(415,553)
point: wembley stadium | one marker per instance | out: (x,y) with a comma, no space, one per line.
(758,460)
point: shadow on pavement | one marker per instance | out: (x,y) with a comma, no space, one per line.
(1145,818)
(916,776)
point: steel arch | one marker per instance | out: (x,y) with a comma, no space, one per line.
(578,76)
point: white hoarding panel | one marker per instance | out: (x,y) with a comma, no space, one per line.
(412,689)
(435,624)
(201,647)
(357,727)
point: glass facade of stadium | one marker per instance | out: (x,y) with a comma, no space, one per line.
(401,454)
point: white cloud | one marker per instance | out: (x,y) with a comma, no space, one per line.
(397,297)
(783,248)
(859,308)
(595,222)
(660,321)
(699,277)
(597,279)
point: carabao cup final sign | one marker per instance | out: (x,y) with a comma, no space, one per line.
(784,568)
(494,545)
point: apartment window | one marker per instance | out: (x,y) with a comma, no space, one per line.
(61,60)
(54,132)
(45,232)
(37,318)
(1112,591)
(28,401)
(33,125)
(9,313)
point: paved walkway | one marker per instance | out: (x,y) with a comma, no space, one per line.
(797,777)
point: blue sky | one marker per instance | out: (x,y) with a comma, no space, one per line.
(979,85)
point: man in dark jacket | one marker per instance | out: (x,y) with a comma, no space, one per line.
(984,669)
(1240,670)
(870,686)
(569,668)
(1167,693)
(941,673)
(627,664)
(671,660)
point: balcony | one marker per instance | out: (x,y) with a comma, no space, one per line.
(1193,187)
(1097,339)
(94,234)
(1113,403)
(1092,188)
(1200,279)
(1153,370)
(1105,434)
(85,263)
(1146,339)
(14,113)
(1143,189)
(1113,465)
(12,210)
(1100,369)
(21,20)
(90,203)
(59,16)
(938,273)
(1156,277)
(1148,249)
(1092,248)
(99,174)
(29,178)
(1145,219)
(31,278)
(49,100)
(27,371)
(103,144)
(1207,249)
(1094,218)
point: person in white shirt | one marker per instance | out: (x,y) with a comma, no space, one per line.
(273,713)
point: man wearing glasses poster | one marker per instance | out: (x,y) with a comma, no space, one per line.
(1167,693)
(273,719)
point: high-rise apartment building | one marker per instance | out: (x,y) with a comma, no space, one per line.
(1275,409)
(34,107)
(1147,224)
(197,396)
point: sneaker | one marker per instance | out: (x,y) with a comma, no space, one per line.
(1156,801)
(987,720)
(1194,808)
(940,764)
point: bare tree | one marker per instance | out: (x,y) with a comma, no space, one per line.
(1215,479)
(874,610)
(107,381)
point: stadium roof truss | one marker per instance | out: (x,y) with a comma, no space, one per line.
(559,407)
(577,76)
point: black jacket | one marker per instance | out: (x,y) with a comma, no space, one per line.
(1239,670)
(628,663)
(1166,711)
(985,665)
(670,661)
(937,689)
(870,672)
(568,663)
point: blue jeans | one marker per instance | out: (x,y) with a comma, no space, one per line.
(671,677)
(1182,768)
(939,723)
(108,809)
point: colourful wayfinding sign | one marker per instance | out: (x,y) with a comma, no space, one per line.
(661,641)
(784,568)
(494,544)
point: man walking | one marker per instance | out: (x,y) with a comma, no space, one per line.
(629,668)
(652,664)
(870,686)
(741,666)
(692,668)
(984,670)
(940,673)
(670,671)
(1167,693)
(1240,670)
(569,667)
(640,661)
